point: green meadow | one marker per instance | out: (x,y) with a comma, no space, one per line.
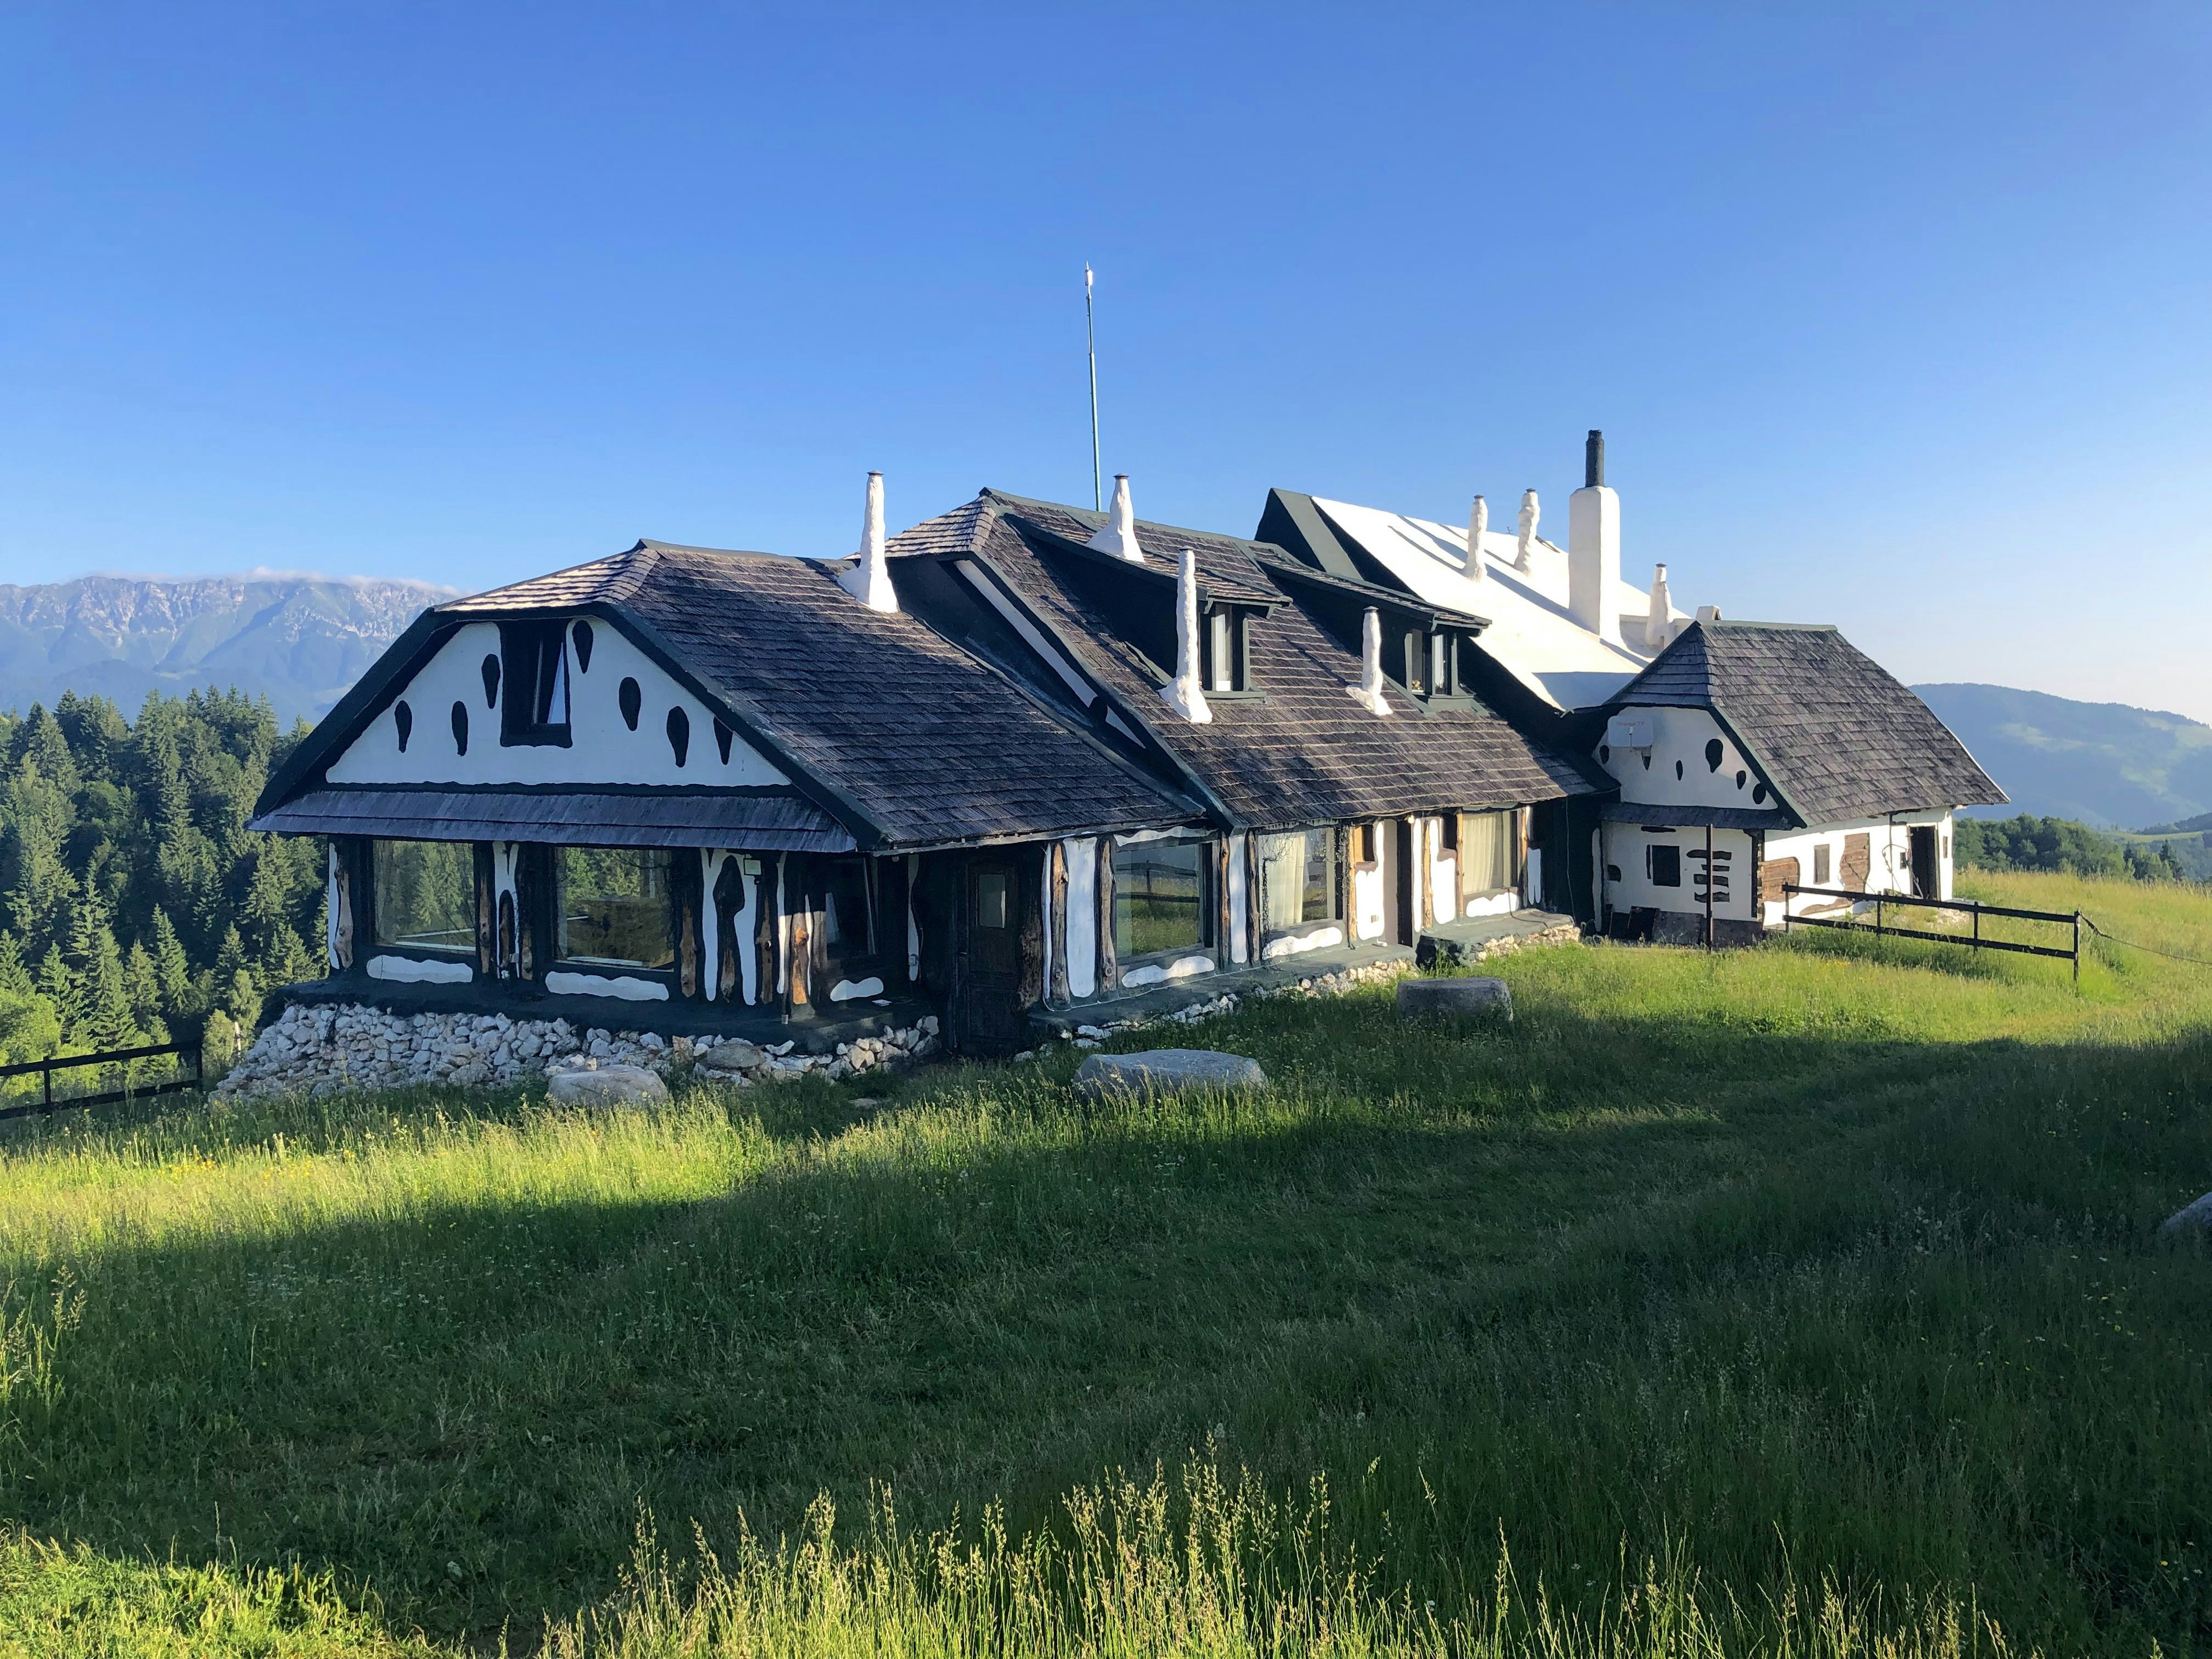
(1801,1300)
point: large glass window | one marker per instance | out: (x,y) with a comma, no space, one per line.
(1297,880)
(424,894)
(1489,845)
(1160,891)
(613,906)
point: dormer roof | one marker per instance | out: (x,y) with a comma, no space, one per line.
(1298,751)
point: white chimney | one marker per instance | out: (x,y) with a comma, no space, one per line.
(1708,613)
(1368,693)
(1658,622)
(1530,512)
(1183,693)
(870,580)
(1119,538)
(1593,544)
(1478,521)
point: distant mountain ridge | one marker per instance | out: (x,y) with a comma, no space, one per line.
(2104,764)
(300,640)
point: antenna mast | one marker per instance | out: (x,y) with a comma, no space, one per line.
(1090,339)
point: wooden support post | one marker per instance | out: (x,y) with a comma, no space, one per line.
(1709,887)
(2077,950)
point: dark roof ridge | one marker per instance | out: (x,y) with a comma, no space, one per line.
(1793,628)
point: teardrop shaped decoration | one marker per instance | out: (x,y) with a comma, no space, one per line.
(403,718)
(491,679)
(460,727)
(679,734)
(722,735)
(631,700)
(582,636)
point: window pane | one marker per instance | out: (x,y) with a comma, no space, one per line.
(991,905)
(1223,652)
(1159,897)
(1297,880)
(845,906)
(424,894)
(614,907)
(1665,866)
(1486,845)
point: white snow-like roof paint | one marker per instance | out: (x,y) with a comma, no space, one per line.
(1530,633)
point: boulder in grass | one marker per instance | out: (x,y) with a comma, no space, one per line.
(2195,1218)
(1455,999)
(1166,1072)
(609,1086)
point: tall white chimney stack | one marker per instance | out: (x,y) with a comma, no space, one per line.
(1593,544)
(1659,621)
(1478,521)
(1183,693)
(1532,512)
(1119,537)
(870,580)
(1368,693)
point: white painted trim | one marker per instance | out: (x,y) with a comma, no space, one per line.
(846,990)
(1240,902)
(913,924)
(1157,974)
(1085,693)
(1044,892)
(625,987)
(1291,945)
(1502,904)
(419,970)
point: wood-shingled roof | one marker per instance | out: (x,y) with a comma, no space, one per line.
(903,735)
(1836,735)
(1304,752)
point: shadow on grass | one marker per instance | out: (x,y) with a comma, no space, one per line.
(1815,1297)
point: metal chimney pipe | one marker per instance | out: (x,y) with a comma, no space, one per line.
(1594,460)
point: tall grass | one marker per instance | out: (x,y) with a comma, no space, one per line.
(1761,1300)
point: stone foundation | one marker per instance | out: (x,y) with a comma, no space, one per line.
(321,1050)
(1319,985)
(1438,951)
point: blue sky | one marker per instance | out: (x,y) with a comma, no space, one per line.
(1895,316)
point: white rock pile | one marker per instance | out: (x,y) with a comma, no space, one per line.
(320,1050)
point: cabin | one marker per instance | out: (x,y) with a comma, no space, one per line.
(1752,757)
(1849,781)
(1359,795)
(1022,767)
(697,791)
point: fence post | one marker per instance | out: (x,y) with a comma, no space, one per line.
(46,1073)
(1978,928)
(2077,950)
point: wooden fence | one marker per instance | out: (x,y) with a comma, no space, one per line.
(2070,919)
(45,1069)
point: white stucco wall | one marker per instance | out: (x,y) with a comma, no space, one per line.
(1680,737)
(711,862)
(603,749)
(1240,902)
(1889,852)
(1631,889)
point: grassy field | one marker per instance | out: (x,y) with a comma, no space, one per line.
(1800,1300)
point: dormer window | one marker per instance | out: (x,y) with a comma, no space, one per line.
(1224,649)
(534,708)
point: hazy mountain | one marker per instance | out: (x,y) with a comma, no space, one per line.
(2102,763)
(300,638)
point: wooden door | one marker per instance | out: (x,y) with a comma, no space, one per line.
(1927,867)
(1858,862)
(988,1008)
(1401,875)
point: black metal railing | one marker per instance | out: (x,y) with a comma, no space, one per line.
(1884,928)
(45,1069)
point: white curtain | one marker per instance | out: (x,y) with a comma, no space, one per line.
(1487,847)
